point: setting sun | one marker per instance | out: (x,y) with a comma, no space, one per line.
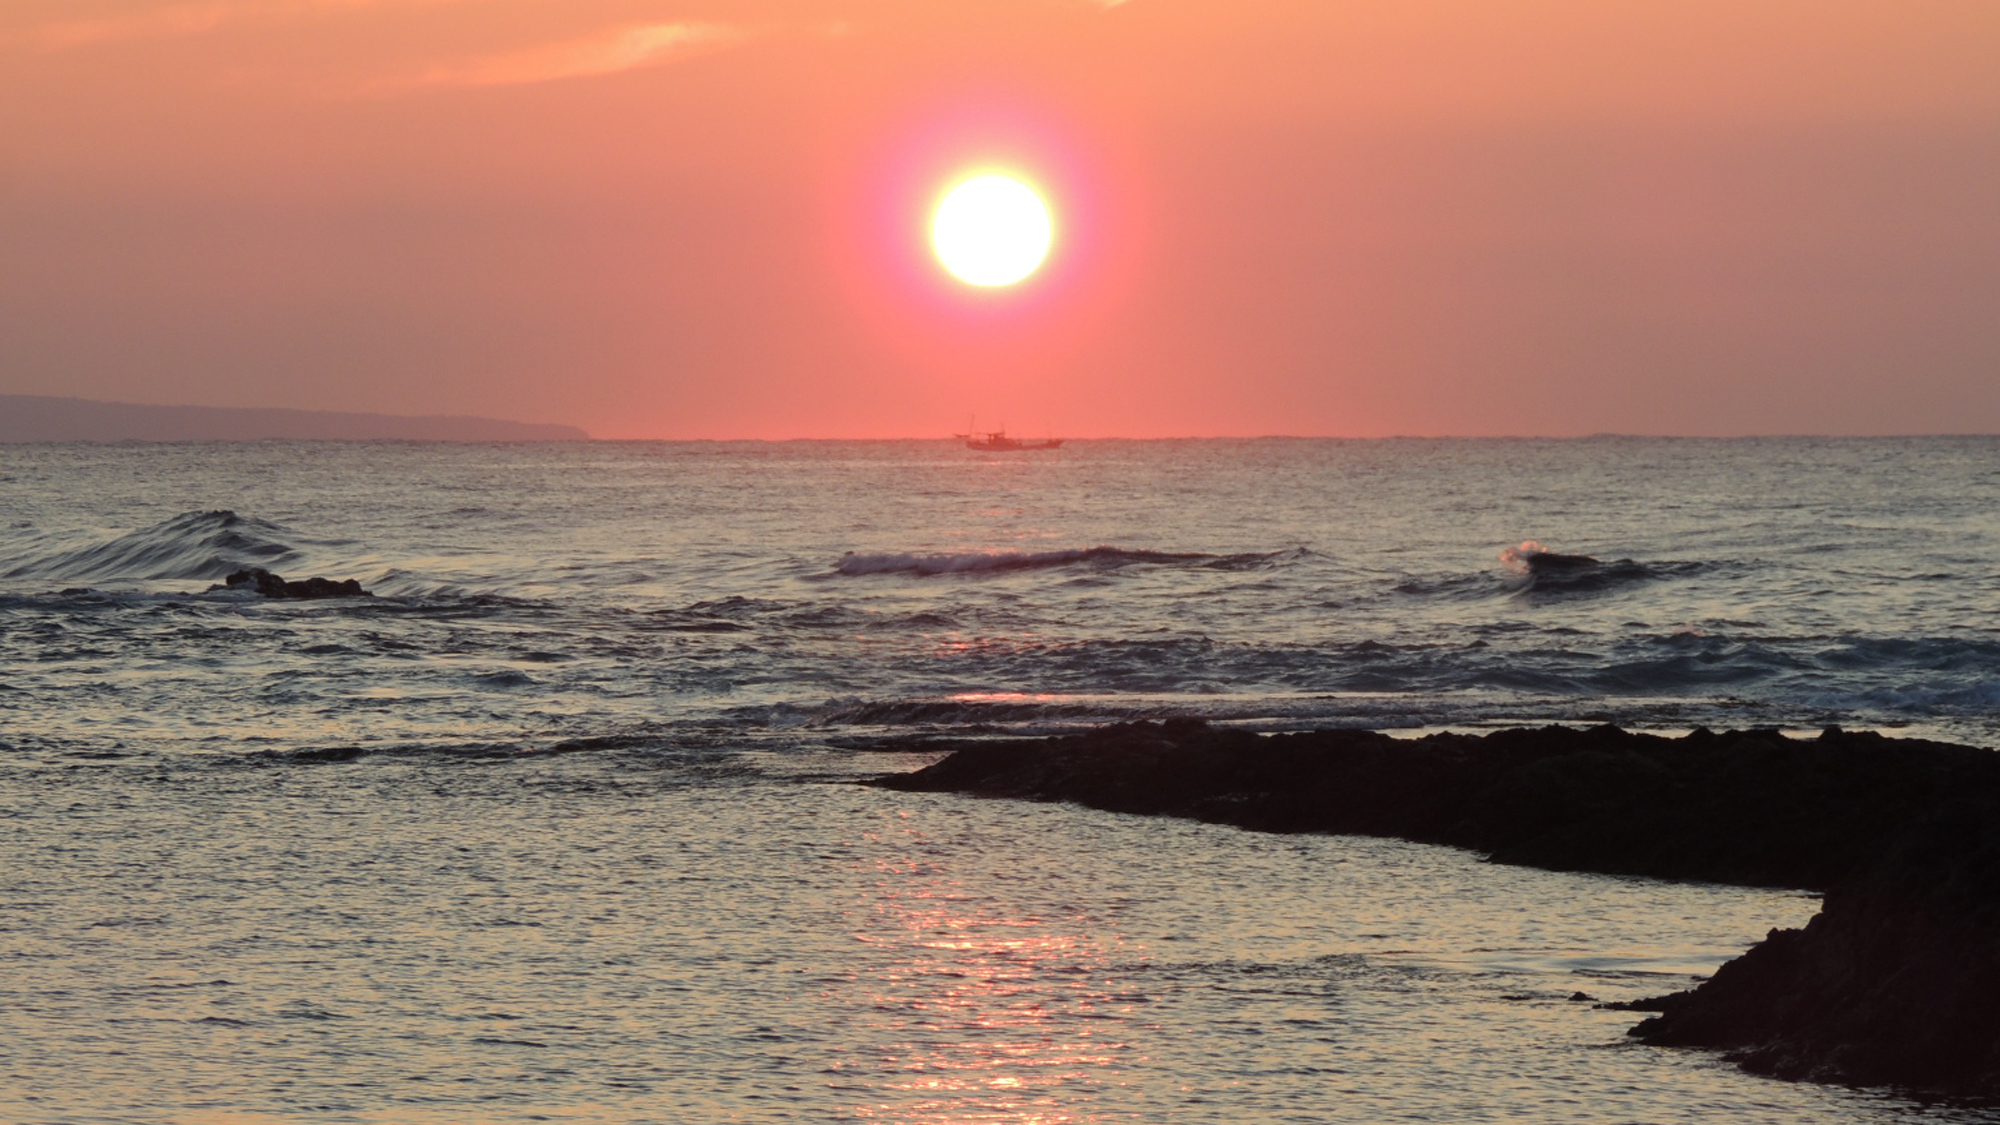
(991,230)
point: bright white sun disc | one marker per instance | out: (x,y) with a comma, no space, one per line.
(991,230)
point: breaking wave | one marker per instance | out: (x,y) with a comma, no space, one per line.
(1533,567)
(1536,573)
(1100,558)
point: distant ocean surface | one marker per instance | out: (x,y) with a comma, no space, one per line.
(560,824)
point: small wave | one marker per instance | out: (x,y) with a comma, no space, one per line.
(1259,560)
(659,746)
(1979,698)
(505,678)
(1535,568)
(1457,587)
(1028,717)
(193,545)
(972,713)
(1934,654)
(1712,666)
(1533,558)
(1103,558)
(868,721)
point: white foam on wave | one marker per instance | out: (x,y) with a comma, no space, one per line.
(1519,559)
(1532,558)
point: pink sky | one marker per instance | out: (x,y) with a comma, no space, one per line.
(657,218)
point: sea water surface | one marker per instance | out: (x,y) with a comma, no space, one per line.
(561,823)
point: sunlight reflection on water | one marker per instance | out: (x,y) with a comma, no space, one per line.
(986,1014)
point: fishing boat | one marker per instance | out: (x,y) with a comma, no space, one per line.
(997,441)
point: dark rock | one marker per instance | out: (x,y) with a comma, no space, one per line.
(274,586)
(1550,562)
(1897,981)
(1649,1004)
(1748,807)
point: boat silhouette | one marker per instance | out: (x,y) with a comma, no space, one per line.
(997,441)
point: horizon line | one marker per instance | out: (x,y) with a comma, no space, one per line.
(1599,435)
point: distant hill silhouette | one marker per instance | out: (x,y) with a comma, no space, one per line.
(43,418)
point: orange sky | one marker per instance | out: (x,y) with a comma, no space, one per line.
(657,218)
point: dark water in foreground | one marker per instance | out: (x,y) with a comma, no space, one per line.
(559,826)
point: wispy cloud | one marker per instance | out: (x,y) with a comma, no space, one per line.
(610,51)
(625,48)
(190,17)
(175,19)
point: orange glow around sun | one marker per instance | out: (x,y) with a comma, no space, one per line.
(984,239)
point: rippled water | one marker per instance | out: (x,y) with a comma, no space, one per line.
(560,824)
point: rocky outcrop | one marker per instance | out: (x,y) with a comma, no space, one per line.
(275,586)
(1896,981)
(1749,807)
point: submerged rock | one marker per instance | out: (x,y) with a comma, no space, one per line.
(1896,981)
(275,586)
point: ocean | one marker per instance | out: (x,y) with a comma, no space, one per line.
(561,824)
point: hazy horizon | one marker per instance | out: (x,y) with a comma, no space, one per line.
(8,433)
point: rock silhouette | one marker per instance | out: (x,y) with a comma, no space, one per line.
(1897,981)
(275,586)
(1550,562)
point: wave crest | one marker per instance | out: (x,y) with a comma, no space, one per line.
(1536,568)
(192,545)
(1534,559)
(1101,558)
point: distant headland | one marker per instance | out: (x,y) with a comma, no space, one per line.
(31,418)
